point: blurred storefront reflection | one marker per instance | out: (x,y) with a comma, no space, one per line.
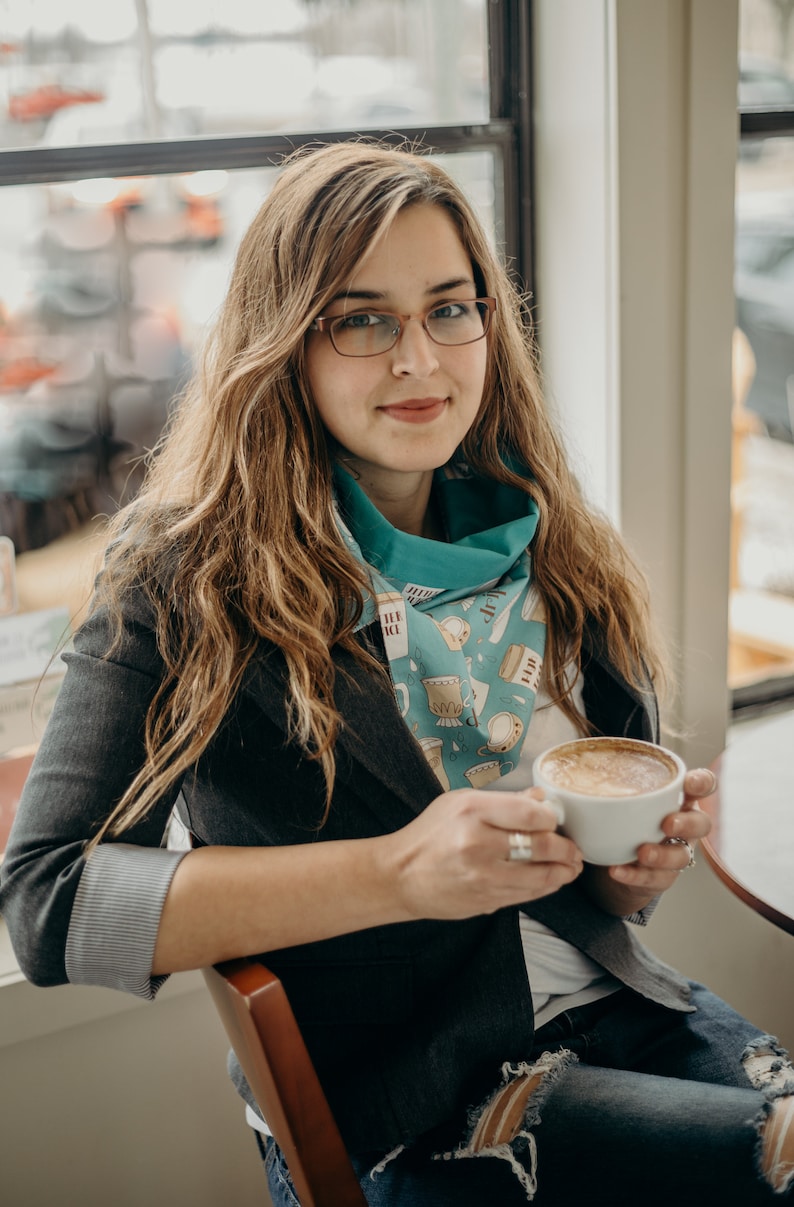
(107,284)
(762,572)
(106,289)
(141,69)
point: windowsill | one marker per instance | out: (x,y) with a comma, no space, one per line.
(28,1012)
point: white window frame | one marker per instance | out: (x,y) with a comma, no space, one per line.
(636,123)
(635,145)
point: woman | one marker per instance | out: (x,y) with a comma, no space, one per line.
(359,515)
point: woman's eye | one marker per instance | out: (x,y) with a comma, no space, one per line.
(452,310)
(355,322)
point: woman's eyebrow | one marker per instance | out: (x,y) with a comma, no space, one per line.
(359,295)
(445,286)
(377,295)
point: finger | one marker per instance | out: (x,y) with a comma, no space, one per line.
(651,877)
(527,881)
(637,876)
(699,783)
(540,846)
(666,856)
(691,824)
(525,810)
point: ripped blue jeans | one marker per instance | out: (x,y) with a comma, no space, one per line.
(652,1107)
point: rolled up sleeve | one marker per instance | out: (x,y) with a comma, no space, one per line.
(116,915)
(69,917)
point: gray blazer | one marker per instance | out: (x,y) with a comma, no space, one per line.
(407,1024)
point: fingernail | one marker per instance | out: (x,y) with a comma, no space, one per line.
(708,780)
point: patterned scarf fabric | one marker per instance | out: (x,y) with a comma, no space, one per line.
(463,627)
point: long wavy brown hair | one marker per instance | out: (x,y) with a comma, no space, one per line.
(233,535)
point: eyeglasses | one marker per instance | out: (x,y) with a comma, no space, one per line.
(369,332)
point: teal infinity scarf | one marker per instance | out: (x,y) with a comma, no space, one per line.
(463,628)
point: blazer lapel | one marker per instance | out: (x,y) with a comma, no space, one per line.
(373,733)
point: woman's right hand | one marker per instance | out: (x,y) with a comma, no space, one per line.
(453,860)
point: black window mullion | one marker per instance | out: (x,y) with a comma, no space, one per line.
(766,123)
(40,165)
(510,68)
(507,135)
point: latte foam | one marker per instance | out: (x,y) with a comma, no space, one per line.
(607,767)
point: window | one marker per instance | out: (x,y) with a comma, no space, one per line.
(136,143)
(761,661)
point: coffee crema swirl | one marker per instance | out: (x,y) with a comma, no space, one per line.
(613,768)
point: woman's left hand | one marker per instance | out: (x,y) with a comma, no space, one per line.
(628,887)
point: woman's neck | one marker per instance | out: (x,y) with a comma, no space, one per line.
(406,501)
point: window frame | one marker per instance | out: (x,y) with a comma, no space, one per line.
(507,134)
(756,122)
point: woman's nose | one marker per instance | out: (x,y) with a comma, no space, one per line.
(414,354)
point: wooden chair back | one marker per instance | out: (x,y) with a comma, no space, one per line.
(263,1032)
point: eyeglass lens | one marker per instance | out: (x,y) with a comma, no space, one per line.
(366,333)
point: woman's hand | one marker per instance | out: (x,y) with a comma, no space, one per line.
(454,860)
(628,887)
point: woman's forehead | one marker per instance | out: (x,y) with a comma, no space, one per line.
(422,247)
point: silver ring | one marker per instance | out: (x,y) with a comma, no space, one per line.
(683,842)
(520,845)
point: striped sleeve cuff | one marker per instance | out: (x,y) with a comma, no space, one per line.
(643,916)
(116,915)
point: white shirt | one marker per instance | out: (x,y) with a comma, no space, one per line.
(560,976)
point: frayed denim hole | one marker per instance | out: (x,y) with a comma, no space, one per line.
(768,1067)
(550,1066)
(780,1177)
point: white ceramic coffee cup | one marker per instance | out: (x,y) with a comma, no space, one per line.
(608,825)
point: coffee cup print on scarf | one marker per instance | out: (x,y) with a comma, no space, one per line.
(393,623)
(532,608)
(483,774)
(403,698)
(521,665)
(445,698)
(433,750)
(504,730)
(479,690)
(455,631)
(501,619)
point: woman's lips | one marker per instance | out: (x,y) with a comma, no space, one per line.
(416,410)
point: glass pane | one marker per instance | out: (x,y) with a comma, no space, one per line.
(144,69)
(762,570)
(106,289)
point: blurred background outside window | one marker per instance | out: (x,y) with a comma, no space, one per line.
(83,72)
(107,283)
(761,662)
